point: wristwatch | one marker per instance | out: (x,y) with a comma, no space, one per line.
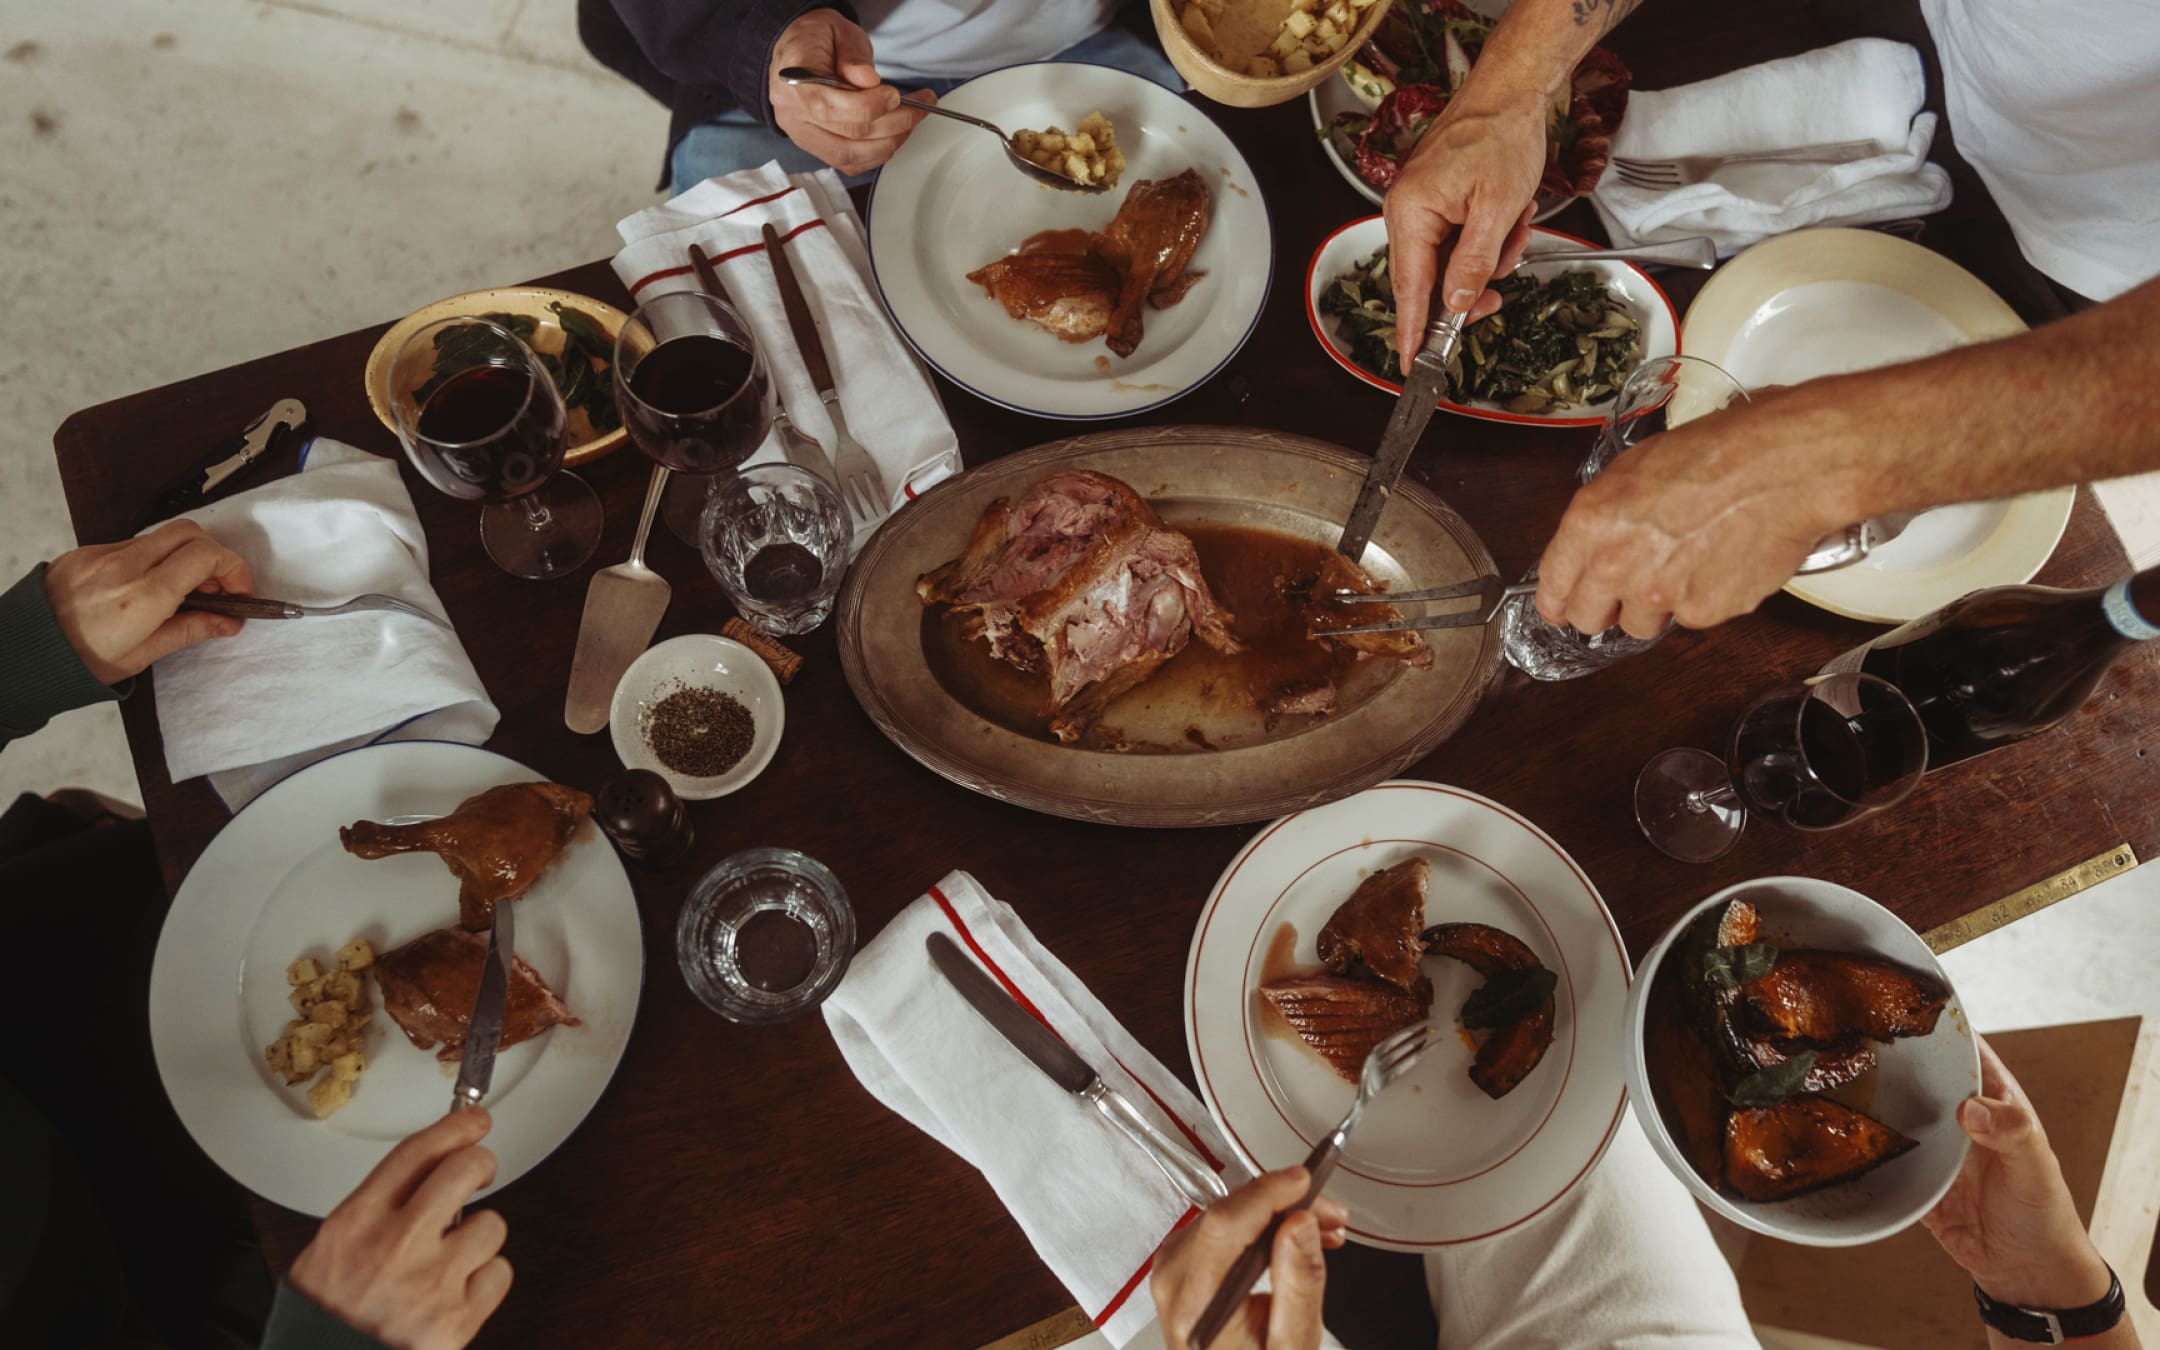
(2053,1326)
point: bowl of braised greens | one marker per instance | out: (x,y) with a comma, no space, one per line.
(1565,338)
(572,335)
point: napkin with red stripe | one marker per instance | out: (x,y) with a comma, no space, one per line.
(892,409)
(1094,1206)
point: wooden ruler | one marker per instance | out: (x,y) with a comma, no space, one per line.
(1048,1334)
(2031,900)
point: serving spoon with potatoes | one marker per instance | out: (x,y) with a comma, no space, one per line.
(1043,174)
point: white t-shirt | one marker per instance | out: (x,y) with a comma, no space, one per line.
(951,39)
(2057,104)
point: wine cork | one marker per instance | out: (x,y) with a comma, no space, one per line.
(784,662)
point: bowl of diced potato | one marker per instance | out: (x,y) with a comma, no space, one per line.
(1254,53)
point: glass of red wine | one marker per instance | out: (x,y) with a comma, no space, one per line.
(694,394)
(1816,756)
(484,422)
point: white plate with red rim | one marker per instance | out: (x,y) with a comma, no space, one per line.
(1434,1162)
(275,884)
(1348,248)
(949,202)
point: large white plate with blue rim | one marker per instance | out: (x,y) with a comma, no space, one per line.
(275,884)
(949,202)
(1433,1162)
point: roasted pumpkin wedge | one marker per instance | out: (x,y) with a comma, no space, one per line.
(1684,1080)
(1815,999)
(1803,1144)
(1515,1047)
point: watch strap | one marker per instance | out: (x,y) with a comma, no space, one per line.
(2053,1326)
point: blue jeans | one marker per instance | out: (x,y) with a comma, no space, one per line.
(737,140)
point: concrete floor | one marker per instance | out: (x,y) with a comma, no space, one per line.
(188,183)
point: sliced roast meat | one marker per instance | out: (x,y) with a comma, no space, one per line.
(1376,929)
(429,985)
(1344,1019)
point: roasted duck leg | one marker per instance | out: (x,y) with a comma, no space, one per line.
(1150,241)
(496,843)
(1068,293)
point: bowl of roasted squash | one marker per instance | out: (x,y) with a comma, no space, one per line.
(1797,1056)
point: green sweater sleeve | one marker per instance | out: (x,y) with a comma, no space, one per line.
(298,1322)
(40,674)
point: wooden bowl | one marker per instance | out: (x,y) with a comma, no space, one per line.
(1211,77)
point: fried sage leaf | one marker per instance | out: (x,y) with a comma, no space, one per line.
(1508,996)
(1731,967)
(1768,1087)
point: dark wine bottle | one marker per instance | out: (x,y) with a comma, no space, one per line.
(2009,662)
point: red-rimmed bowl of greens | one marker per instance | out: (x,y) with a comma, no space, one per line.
(1565,338)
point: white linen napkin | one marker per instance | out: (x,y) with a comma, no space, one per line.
(1094,1206)
(250,709)
(891,407)
(1865,89)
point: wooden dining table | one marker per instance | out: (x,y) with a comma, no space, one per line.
(736,1185)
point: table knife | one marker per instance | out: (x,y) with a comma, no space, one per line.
(483,1035)
(848,456)
(1056,1059)
(260,438)
(800,449)
(1421,392)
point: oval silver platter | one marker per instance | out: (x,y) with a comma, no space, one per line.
(1194,476)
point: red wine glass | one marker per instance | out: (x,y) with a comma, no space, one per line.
(481,420)
(694,394)
(1816,756)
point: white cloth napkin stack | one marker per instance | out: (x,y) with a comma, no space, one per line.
(1091,1202)
(250,709)
(891,408)
(1865,89)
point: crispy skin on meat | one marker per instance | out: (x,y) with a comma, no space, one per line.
(1509,1053)
(1377,928)
(1068,293)
(429,986)
(1308,596)
(497,842)
(1344,1019)
(1082,581)
(1150,241)
(1803,1144)
(1817,998)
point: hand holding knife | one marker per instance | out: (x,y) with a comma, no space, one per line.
(1425,381)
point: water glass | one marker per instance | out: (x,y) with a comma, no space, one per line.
(765,936)
(1659,394)
(777,538)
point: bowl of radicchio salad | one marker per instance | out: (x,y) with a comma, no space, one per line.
(1376,108)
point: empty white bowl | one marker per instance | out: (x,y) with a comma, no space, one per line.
(697,660)
(1918,1086)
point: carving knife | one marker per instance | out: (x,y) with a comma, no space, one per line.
(1426,381)
(1057,1061)
(261,437)
(483,1035)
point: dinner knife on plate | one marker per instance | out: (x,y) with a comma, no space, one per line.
(261,437)
(1426,381)
(483,1035)
(1045,1051)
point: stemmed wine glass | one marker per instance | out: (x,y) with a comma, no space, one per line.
(1815,756)
(1658,394)
(694,394)
(484,422)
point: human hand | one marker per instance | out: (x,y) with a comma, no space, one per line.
(852,130)
(2008,1218)
(388,1261)
(1475,172)
(1195,1258)
(1700,523)
(118,603)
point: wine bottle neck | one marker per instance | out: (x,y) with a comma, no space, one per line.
(2133,605)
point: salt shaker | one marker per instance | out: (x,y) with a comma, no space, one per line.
(642,814)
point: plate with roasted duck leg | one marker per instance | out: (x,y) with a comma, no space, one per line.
(1413,902)
(1801,1056)
(367,883)
(1069,305)
(1137,628)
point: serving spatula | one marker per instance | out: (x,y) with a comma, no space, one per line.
(623,605)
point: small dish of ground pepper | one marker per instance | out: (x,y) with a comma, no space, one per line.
(702,711)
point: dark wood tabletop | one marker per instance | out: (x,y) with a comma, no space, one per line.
(736,1185)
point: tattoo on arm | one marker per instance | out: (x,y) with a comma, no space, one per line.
(1604,13)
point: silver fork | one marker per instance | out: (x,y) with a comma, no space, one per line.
(1387,1063)
(264,607)
(862,487)
(1691,169)
(1490,591)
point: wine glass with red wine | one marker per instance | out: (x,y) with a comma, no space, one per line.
(484,422)
(1815,756)
(694,394)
